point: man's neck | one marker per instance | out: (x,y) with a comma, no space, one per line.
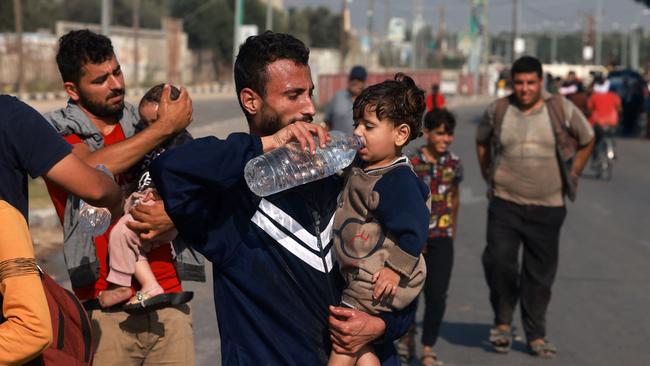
(526,110)
(105,125)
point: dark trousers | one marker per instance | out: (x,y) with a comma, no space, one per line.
(440,258)
(538,229)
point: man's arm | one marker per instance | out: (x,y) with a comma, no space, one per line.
(351,329)
(91,185)
(584,134)
(582,156)
(483,136)
(483,159)
(173,117)
(150,220)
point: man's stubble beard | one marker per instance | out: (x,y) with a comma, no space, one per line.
(271,122)
(102,110)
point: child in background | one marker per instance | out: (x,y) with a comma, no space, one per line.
(127,253)
(442,172)
(380,225)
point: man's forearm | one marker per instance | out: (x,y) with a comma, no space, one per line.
(120,156)
(483,162)
(582,156)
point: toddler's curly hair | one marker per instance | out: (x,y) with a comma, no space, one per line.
(398,100)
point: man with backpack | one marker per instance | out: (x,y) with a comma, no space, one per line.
(532,147)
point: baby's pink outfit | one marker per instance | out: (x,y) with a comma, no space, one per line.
(125,247)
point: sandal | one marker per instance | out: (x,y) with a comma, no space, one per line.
(148,303)
(543,350)
(430,358)
(501,340)
(406,347)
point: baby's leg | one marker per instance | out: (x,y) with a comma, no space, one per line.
(364,357)
(121,263)
(122,252)
(145,276)
(368,357)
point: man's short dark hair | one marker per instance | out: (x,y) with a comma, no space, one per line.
(154,94)
(398,100)
(527,64)
(258,52)
(440,117)
(78,48)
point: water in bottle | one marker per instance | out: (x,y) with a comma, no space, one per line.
(94,220)
(290,166)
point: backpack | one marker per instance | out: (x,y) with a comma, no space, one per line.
(566,143)
(71,330)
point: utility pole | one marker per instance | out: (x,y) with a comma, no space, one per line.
(417,26)
(515,28)
(599,37)
(239,15)
(107,9)
(369,37)
(485,59)
(345,29)
(18,20)
(269,15)
(553,44)
(136,43)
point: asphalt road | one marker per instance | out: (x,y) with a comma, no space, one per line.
(599,313)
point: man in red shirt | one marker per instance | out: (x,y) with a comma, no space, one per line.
(435,100)
(101,128)
(605,107)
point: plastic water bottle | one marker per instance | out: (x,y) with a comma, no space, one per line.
(290,166)
(94,220)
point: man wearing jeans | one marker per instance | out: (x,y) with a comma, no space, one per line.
(519,158)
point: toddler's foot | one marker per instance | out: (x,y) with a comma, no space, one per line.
(114,296)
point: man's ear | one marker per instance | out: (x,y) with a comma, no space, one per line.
(403,132)
(72,90)
(250,100)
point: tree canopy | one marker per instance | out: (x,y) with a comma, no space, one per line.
(208,23)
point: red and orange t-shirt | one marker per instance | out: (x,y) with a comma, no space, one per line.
(160,258)
(604,109)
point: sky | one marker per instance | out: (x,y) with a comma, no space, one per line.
(536,15)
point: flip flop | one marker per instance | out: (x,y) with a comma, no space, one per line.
(501,340)
(430,358)
(543,350)
(147,304)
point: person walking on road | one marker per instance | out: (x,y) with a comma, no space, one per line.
(524,144)
(338,115)
(442,171)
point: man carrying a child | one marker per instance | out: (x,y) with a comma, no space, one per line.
(101,128)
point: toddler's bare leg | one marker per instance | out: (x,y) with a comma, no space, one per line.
(146,278)
(365,357)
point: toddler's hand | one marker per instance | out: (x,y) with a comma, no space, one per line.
(386,282)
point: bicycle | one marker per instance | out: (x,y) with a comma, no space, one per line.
(604,154)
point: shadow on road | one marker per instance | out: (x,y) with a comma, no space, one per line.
(466,334)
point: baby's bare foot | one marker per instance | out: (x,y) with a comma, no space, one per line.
(114,296)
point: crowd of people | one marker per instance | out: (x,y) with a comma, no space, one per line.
(324,273)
